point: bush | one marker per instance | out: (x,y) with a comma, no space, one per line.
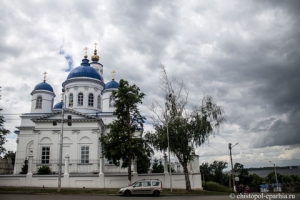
(213,186)
(44,170)
(24,168)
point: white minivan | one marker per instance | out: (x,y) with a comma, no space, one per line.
(146,186)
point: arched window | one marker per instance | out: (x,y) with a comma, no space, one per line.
(91,100)
(99,102)
(38,102)
(111,101)
(80,99)
(71,100)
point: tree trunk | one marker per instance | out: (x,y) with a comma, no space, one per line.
(187,178)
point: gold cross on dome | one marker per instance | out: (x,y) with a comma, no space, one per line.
(95,45)
(45,73)
(85,53)
(113,74)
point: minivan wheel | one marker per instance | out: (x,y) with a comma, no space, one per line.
(156,193)
(127,193)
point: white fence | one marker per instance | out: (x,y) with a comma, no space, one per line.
(92,175)
(95,181)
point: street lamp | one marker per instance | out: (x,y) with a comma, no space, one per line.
(232,172)
(275,175)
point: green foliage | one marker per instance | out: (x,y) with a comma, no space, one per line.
(213,186)
(44,170)
(157,166)
(242,173)
(172,168)
(271,178)
(3,133)
(143,164)
(11,155)
(124,141)
(217,168)
(296,178)
(255,181)
(24,168)
(214,172)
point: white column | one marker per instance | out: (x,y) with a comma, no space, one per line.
(134,167)
(30,162)
(101,165)
(67,160)
(120,167)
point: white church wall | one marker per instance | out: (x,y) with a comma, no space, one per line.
(26,121)
(106,102)
(47,102)
(86,88)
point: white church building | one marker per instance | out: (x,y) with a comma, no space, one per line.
(87,105)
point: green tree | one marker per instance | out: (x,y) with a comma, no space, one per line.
(242,173)
(124,141)
(206,172)
(3,133)
(214,172)
(24,168)
(44,170)
(272,178)
(157,166)
(217,168)
(143,164)
(255,182)
(11,155)
(172,168)
(187,129)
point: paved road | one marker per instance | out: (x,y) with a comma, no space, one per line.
(114,197)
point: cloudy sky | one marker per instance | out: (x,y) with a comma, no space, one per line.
(245,54)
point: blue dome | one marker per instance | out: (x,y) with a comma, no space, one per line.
(111,84)
(43,86)
(84,70)
(58,105)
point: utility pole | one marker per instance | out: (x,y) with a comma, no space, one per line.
(232,172)
(275,175)
(61,142)
(167,117)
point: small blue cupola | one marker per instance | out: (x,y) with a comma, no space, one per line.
(43,86)
(58,105)
(111,85)
(42,97)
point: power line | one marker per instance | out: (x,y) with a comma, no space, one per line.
(217,150)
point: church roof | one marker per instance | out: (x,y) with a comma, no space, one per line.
(66,110)
(58,105)
(43,86)
(84,70)
(111,85)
